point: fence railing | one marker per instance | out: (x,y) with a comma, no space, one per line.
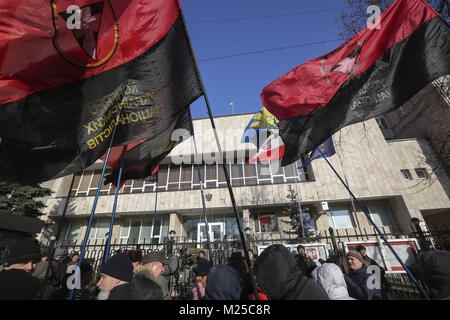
(401,286)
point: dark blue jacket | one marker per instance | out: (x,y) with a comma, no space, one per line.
(357,285)
(223,283)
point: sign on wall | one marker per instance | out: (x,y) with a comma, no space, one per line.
(315,251)
(406,249)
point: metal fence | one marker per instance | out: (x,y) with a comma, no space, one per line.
(401,286)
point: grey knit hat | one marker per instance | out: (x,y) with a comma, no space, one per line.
(355,254)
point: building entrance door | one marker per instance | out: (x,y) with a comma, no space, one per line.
(215,232)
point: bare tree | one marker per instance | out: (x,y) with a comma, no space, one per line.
(354,18)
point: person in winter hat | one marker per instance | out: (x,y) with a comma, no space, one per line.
(279,277)
(16,280)
(147,276)
(201,277)
(223,283)
(434,268)
(330,277)
(357,279)
(21,254)
(115,279)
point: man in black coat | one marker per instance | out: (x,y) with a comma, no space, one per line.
(280,278)
(357,279)
(147,276)
(16,280)
(434,268)
(115,279)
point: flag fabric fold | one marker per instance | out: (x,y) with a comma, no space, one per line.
(327,149)
(127,72)
(262,124)
(373,73)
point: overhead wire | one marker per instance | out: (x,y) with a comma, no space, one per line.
(267,17)
(268,50)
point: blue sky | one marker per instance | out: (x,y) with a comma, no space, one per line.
(241,79)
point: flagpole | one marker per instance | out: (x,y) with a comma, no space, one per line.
(196,162)
(377,229)
(346,181)
(108,242)
(227,177)
(86,236)
(88,229)
(58,234)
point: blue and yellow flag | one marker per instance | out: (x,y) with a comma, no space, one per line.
(263,120)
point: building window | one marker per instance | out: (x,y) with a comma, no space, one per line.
(380,215)
(139,230)
(71,231)
(384,127)
(340,218)
(422,173)
(171,177)
(266,222)
(99,229)
(406,174)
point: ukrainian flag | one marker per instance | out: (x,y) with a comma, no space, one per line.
(263,120)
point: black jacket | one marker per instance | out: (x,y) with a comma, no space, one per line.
(434,268)
(280,278)
(146,285)
(124,292)
(18,285)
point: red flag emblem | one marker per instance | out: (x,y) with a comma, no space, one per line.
(86,31)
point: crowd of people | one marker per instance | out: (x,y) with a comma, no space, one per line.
(276,274)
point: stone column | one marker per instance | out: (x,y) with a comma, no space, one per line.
(175,223)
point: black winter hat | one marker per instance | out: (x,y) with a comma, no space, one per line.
(203,268)
(434,266)
(21,251)
(18,284)
(360,247)
(119,267)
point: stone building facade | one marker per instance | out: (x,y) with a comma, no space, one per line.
(392,178)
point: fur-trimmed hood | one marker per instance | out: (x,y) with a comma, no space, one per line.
(144,272)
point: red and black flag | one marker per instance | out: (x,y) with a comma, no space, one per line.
(76,73)
(375,72)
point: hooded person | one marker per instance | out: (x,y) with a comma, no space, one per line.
(330,277)
(280,278)
(358,279)
(434,268)
(223,283)
(16,280)
(116,275)
(147,279)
